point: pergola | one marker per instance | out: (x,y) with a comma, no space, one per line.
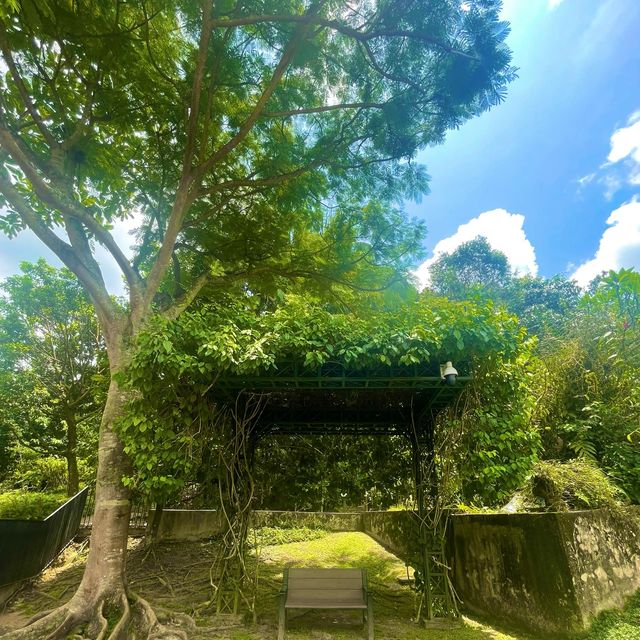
(381,400)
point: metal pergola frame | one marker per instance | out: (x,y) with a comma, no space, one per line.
(384,400)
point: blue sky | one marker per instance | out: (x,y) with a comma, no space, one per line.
(543,153)
(550,176)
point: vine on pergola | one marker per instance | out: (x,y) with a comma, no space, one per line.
(177,363)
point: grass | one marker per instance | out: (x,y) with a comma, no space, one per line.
(176,577)
(618,625)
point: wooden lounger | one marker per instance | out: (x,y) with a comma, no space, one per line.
(325,589)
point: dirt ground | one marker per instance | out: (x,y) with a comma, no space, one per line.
(175,578)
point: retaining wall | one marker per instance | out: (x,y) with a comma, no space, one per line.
(547,572)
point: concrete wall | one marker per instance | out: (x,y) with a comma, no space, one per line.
(312,520)
(396,531)
(603,551)
(512,567)
(185,524)
(547,572)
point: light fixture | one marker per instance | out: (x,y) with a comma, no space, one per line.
(448,373)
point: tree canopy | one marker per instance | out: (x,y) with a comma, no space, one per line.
(52,365)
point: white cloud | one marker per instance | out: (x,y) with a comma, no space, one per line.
(552,4)
(625,142)
(619,245)
(502,229)
(622,166)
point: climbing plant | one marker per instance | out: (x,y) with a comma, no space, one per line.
(177,362)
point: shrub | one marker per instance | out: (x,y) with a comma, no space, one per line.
(572,485)
(34,472)
(23,505)
(268,536)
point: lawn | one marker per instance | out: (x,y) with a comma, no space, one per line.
(176,577)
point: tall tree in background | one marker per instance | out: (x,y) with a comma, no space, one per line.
(51,362)
(476,271)
(472,269)
(255,141)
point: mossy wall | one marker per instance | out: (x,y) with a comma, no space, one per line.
(547,572)
(396,531)
(603,551)
(313,520)
(513,567)
(198,524)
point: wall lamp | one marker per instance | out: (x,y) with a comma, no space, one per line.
(448,373)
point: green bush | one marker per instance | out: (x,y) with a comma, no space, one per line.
(23,505)
(34,472)
(569,486)
(268,536)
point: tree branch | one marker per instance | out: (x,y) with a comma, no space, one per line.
(246,127)
(49,197)
(182,303)
(352,32)
(183,196)
(328,107)
(196,90)
(100,296)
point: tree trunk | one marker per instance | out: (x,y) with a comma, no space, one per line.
(104,575)
(73,482)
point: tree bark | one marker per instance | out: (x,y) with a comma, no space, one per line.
(73,482)
(104,576)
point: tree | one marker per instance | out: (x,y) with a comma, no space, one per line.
(52,362)
(543,304)
(253,139)
(473,269)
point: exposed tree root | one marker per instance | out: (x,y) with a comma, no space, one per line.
(137,621)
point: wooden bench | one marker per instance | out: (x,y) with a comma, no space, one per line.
(325,589)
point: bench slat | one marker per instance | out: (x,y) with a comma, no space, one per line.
(326,599)
(301,584)
(325,573)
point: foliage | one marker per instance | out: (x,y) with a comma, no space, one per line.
(473,269)
(269,536)
(22,505)
(340,472)
(476,271)
(486,449)
(34,472)
(287,128)
(52,367)
(572,485)
(177,362)
(589,386)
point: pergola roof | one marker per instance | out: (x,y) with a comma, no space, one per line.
(334,399)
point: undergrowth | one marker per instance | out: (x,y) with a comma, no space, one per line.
(569,486)
(616,624)
(29,505)
(269,536)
